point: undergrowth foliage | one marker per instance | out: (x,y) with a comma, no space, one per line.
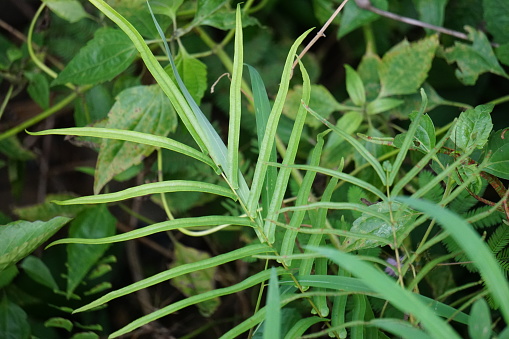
(357,218)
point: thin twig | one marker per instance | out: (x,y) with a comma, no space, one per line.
(319,34)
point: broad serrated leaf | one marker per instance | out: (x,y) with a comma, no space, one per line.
(225,20)
(405,66)
(38,89)
(197,282)
(369,224)
(109,53)
(20,238)
(473,128)
(36,269)
(354,17)
(70,10)
(205,9)
(13,320)
(473,60)
(496,16)
(142,109)
(94,223)
(47,210)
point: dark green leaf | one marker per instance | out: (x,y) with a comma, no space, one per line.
(20,238)
(196,282)
(85,335)
(355,87)
(59,323)
(70,10)
(496,16)
(499,163)
(47,210)
(13,321)
(225,20)
(109,53)
(142,109)
(38,89)
(473,128)
(205,9)
(13,149)
(93,106)
(405,66)
(353,17)
(431,11)
(38,271)
(474,60)
(96,222)
(479,325)
(502,53)
(167,7)
(8,275)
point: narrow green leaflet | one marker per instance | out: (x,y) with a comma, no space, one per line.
(152,188)
(193,73)
(405,66)
(401,328)
(383,228)
(195,283)
(272,323)
(473,128)
(496,16)
(353,17)
(144,109)
(108,54)
(132,136)
(70,10)
(13,320)
(354,86)
(177,271)
(20,238)
(36,269)
(474,60)
(210,220)
(59,323)
(93,223)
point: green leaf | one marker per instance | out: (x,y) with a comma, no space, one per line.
(473,60)
(473,128)
(109,53)
(8,275)
(141,19)
(93,223)
(473,246)
(14,150)
(373,225)
(59,323)
(401,328)
(197,282)
(496,16)
(405,66)
(47,210)
(85,335)
(502,53)
(20,238)
(424,137)
(93,105)
(302,326)
(349,123)
(70,10)
(152,188)
(13,320)
(380,105)
(225,20)
(167,7)
(479,326)
(431,11)
(38,89)
(499,163)
(193,73)
(38,271)
(99,288)
(205,9)
(143,109)
(353,17)
(272,324)
(355,87)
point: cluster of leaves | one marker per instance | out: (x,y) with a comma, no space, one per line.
(306,181)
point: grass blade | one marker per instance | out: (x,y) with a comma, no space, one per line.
(235,105)
(178,271)
(291,152)
(473,246)
(272,328)
(133,136)
(212,220)
(401,328)
(152,188)
(270,134)
(243,285)
(388,289)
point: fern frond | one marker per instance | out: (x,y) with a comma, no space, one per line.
(499,239)
(436,193)
(492,219)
